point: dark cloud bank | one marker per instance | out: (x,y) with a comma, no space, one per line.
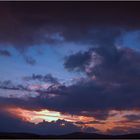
(26,23)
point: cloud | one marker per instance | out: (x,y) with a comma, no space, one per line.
(15,93)
(112,64)
(43,78)
(77,61)
(90,122)
(112,73)
(5,53)
(10,90)
(11,124)
(116,70)
(94,98)
(46,23)
(8,84)
(116,84)
(133,117)
(29,60)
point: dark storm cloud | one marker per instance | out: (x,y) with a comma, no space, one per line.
(77,61)
(45,78)
(24,24)
(116,83)
(116,65)
(5,53)
(90,97)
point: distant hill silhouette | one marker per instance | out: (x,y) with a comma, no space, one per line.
(76,135)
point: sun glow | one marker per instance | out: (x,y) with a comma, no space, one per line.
(46,115)
(114,119)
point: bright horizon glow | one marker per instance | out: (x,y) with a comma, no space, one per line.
(115,119)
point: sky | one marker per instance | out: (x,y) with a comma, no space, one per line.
(70,67)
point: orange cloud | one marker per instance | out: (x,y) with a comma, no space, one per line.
(115,118)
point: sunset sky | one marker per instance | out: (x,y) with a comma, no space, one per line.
(70,66)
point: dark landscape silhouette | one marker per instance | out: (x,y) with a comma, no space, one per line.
(77,135)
